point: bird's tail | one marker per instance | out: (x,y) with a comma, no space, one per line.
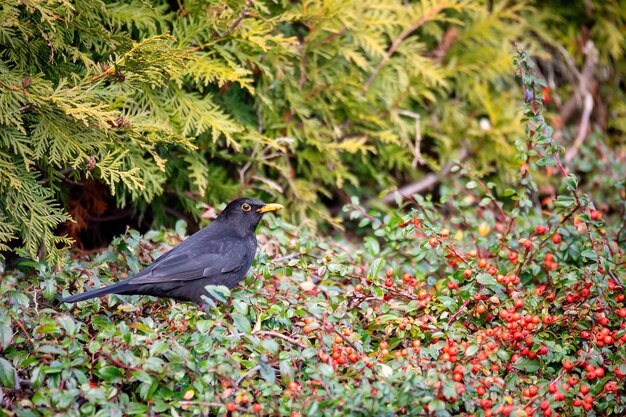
(109,289)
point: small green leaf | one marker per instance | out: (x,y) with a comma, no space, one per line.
(110,373)
(527,365)
(571,182)
(7,374)
(375,267)
(242,323)
(488,281)
(589,254)
(6,332)
(218,292)
(47,329)
(471,350)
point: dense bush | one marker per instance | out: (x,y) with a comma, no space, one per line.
(478,306)
(168,104)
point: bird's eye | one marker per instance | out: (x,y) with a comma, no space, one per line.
(246,207)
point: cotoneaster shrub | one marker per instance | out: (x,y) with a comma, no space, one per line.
(137,110)
(476,305)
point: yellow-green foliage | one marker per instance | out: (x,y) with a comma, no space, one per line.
(293,100)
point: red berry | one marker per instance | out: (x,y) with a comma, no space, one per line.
(467,273)
(567,364)
(545,91)
(388,282)
(257,407)
(231,407)
(556,238)
(540,229)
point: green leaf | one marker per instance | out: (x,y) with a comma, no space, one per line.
(6,332)
(448,302)
(488,281)
(110,373)
(471,350)
(136,408)
(549,161)
(242,323)
(588,253)
(47,328)
(375,267)
(527,365)
(571,182)
(219,292)
(7,374)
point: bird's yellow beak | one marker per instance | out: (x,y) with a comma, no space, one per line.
(269,207)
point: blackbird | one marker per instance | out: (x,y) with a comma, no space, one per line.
(219,254)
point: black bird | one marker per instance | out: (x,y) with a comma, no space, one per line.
(219,254)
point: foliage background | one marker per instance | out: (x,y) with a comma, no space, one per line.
(145,112)
(140,112)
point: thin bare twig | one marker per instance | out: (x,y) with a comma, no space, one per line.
(584,83)
(426,183)
(582,128)
(280,336)
(247,374)
(21,326)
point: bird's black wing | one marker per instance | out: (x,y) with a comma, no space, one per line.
(202,260)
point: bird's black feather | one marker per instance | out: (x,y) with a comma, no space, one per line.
(219,254)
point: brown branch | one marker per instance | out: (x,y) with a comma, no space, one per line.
(280,336)
(582,128)
(585,80)
(454,316)
(121,364)
(21,326)
(446,43)
(241,16)
(426,183)
(398,40)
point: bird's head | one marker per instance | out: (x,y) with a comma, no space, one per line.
(246,213)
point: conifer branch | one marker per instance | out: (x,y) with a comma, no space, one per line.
(400,38)
(241,16)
